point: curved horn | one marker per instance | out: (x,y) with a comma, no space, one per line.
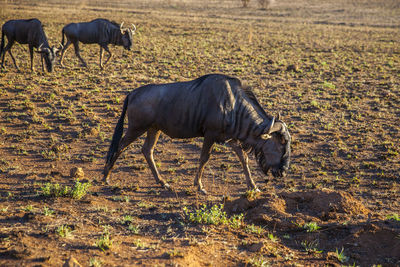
(40,47)
(134,27)
(270,126)
(267,129)
(120,28)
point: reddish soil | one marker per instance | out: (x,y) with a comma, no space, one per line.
(331,68)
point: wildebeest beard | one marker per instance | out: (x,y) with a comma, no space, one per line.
(278,163)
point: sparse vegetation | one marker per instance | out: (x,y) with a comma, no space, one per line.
(330,68)
(311,227)
(341,256)
(56,190)
(204,215)
(105,241)
(64,231)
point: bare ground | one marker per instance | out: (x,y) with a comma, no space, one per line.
(331,69)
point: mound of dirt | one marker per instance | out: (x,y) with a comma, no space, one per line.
(287,210)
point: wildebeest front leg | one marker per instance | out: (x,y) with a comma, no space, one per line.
(244,159)
(204,157)
(31,54)
(147,150)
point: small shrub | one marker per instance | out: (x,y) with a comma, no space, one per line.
(134,229)
(272,237)
(394,216)
(214,215)
(174,254)
(56,190)
(64,231)
(340,256)
(258,261)
(80,190)
(95,262)
(253,229)
(311,246)
(47,211)
(104,242)
(311,227)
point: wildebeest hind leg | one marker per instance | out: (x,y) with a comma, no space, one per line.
(101,57)
(130,136)
(109,55)
(244,159)
(147,150)
(78,54)
(65,48)
(8,48)
(204,157)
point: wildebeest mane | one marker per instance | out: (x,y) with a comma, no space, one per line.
(199,81)
(253,99)
(113,22)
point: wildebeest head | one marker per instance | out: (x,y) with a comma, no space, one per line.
(127,36)
(273,150)
(49,55)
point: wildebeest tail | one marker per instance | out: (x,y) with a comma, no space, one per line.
(2,43)
(62,37)
(119,129)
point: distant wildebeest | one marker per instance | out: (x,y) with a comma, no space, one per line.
(216,107)
(29,31)
(98,31)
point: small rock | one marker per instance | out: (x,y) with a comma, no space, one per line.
(292,68)
(71,262)
(256,247)
(77,172)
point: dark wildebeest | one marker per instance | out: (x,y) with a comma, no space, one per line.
(216,107)
(98,31)
(29,31)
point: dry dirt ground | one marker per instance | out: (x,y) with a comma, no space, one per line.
(332,68)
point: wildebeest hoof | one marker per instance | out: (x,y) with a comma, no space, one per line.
(105,180)
(167,186)
(202,191)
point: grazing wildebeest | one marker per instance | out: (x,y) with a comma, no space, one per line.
(98,31)
(29,31)
(216,107)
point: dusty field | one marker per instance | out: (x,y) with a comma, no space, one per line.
(332,69)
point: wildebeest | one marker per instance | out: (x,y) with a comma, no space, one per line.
(98,31)
(216,107)
(27,31)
